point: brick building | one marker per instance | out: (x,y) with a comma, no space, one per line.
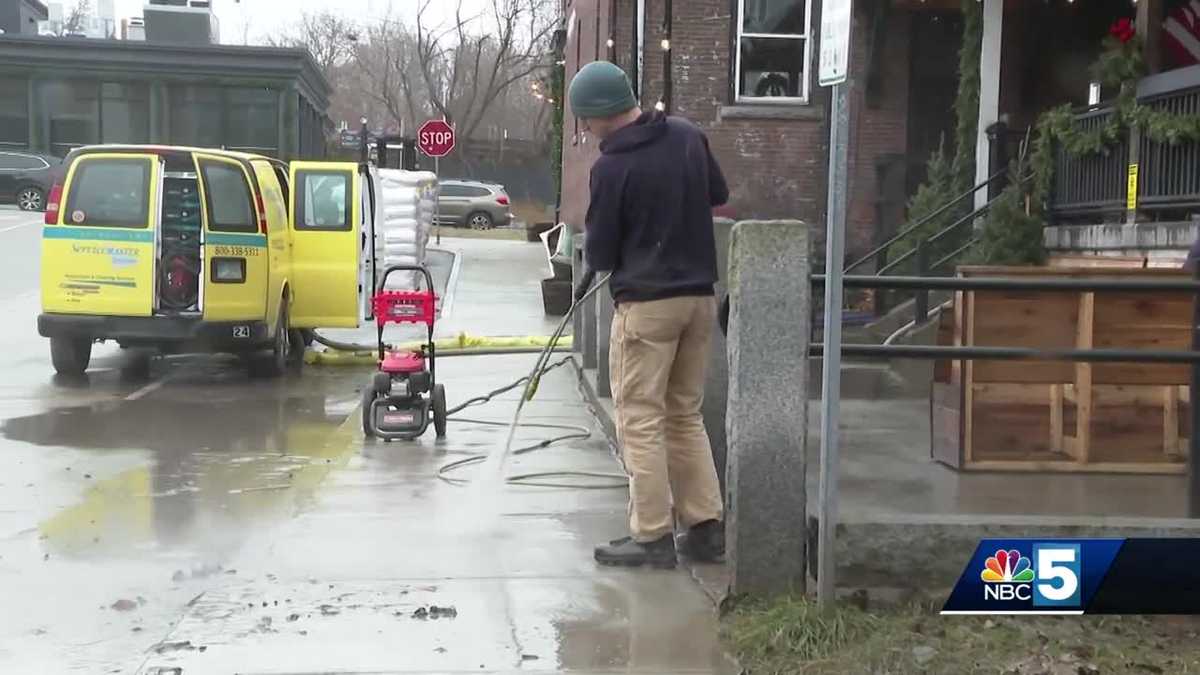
(745,70)
(766,117)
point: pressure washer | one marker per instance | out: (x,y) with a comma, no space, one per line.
(405,396)
(413,412)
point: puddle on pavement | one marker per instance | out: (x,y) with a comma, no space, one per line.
(217,467)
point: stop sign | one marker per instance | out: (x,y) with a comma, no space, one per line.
(436,138)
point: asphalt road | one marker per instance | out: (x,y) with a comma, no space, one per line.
(110,486)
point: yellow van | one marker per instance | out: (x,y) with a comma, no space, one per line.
(190,250)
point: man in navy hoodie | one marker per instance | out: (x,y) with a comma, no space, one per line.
(650,224)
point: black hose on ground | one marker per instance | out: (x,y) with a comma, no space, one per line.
(530,382)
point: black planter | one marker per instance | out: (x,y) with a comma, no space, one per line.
(556,296)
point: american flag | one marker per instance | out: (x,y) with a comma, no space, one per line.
(1181,34)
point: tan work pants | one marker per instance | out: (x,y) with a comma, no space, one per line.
(658,360)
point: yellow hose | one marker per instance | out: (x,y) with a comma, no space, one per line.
(461,345)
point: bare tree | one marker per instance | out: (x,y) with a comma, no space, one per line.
(75,20)
(327,36)
(390,75)
(471,63)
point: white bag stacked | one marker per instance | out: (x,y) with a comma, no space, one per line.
(408,201)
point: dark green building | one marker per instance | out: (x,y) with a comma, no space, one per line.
(60,93)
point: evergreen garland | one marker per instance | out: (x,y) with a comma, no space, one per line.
(1121,66)
(1009,235)
(948,176)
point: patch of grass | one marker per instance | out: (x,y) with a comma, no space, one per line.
(774,635)
(790,636)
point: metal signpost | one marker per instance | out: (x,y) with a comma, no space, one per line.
(436,139)
(835,64)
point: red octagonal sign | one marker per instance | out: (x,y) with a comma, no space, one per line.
(436,138)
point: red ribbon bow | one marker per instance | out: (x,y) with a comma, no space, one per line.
(1123,30)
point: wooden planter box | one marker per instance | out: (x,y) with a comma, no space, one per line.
(1061,416)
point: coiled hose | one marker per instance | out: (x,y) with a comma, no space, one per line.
(531,382)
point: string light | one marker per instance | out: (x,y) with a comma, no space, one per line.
(660,106)
(611,42)
(666,45)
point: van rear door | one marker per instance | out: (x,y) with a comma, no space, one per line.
(235,242)
(99,247)
(325,221)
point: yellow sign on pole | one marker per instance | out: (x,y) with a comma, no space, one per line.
(1132,189)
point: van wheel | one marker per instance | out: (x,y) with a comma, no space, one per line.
(275,362)
(296,348)
(70,355)
(136,366)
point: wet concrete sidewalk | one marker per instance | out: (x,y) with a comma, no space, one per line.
(492,289)
(384,573)
(202,522)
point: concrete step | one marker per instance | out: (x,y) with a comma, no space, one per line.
(866,380)
(875,379)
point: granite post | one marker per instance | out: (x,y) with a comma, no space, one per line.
(767,412)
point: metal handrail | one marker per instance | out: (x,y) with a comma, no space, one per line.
(935,237)
(915,226)
(892,265)
(1009,284)
(954,254)
(1080,355)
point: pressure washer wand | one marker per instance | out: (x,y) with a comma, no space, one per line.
(544,358)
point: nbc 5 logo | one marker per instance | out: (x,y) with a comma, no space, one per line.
(1058,575)
(1050,579)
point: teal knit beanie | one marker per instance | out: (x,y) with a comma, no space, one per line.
(600,89)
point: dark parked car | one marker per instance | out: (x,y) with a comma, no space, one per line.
(26,179)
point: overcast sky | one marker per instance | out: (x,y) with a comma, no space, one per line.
(253,20)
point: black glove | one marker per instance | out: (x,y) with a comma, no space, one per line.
(585,285)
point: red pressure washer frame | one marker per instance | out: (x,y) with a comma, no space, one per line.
(404,307)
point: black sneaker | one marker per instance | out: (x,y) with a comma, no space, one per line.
(704,542)
(629,553)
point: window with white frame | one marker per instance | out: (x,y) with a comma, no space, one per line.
(773,51)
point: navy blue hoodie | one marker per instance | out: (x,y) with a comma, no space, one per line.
(650,219)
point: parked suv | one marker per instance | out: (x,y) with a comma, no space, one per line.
(25,179)
(474,204)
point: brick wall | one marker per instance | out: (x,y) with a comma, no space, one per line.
(776,167)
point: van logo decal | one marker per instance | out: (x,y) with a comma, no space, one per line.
(78,217)
(121,256)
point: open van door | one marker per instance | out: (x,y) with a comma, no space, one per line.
(325,228)
(235,269)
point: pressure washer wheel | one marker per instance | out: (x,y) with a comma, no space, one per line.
(368,423)
(438,404)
